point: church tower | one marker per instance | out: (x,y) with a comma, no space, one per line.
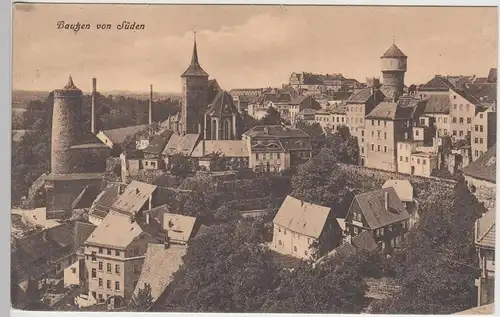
(394,69)
(194,96)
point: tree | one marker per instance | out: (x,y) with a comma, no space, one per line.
(320,181)
(272,117)
(437,262)
(143,300)
(181,165)
(315,131)
(218,162)
(345,145)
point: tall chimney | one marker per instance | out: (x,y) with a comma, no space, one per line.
(150,104)
(386,200)
(92,119)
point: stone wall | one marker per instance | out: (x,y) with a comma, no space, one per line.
(484,191)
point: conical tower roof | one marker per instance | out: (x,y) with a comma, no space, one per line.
(70,84)
(393,51)
(194,68)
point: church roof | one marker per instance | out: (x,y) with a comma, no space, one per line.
(70,84)
(222,103)
(194,68)
(394,51)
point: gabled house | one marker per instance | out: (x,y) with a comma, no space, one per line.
(305,230)
(484,236)
(381,213)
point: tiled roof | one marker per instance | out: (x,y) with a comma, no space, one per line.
(361,96)
(86,198)
(438,83)
(485,230)
(438,104)
(275,131)
(228,148)
(393,51)
(340,109)
(403,188)
(372,206)
(391,111)
(484,167)
(83,230)
(108,195)
(183,144)
(492,75)
(116,230)
(480,310)
(159,265)
(300,144)
(222,103)
(134,197)
(180,228)
(364,241)
(158,142)
(277,97)
(118,136)
(302,217)
(482,92)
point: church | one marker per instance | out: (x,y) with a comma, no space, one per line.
(206,109)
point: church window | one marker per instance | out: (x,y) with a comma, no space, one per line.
(227,130)
(214,129)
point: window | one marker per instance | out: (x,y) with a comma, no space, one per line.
(424,161)
(94,257)
(476,127)
(454,132)
(355,230)
(469,120)
(117,252)
(445,131)
(108,284)
(278,155)
(401,159)
(101,299)
(257,156)
(284,231)
(385,135)
(100,282)
(439,119)
(73,270)
(481,140)
(422,121)
(445,120)
(385,148)
(385,123)
(100,250)
(378,147)
(362,132)
(279,229)
(454,120)
(146,163)
(481,128)
(418,161)
(416,132)
(406,159)
(461,107)
(378,134)
(477,154)
(117,286)
(373,134)
(94,273)
(108,267)
(476,140)
(461,120)
(373,122)
(279,242)
(295,248)
(100,266)
(461,133)
(480,115)
(362,150)
(373,147)
(455,97)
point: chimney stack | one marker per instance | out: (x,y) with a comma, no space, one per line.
(386,200)
(92,119)
(150,104)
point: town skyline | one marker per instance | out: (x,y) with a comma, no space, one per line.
(229,36)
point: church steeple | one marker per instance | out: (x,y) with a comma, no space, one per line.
(194,68)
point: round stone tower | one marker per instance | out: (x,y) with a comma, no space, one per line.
(66,127)
(394,69)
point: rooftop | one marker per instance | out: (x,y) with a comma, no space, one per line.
(228,148)
(403,188)
(179,227)
(394,51)
(275,131)
(485,230)
(181,144)
(483,167)
(134,197)
(302,217)
(116,230)
(372,205)
(118,136)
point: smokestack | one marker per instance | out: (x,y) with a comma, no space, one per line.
(150,104)
(92,119)
(386,200)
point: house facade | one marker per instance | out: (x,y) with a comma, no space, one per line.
(484,234)
(380,212)
(304,230)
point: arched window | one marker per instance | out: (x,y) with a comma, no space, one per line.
(227,130)
(214,129)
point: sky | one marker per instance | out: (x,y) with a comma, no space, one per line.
(243,46)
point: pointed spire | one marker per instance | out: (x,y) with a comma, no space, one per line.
(194,59)
(393,40)
(70,84)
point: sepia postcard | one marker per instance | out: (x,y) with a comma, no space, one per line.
(253,158)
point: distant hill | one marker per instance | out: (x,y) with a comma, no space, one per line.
(20,98)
